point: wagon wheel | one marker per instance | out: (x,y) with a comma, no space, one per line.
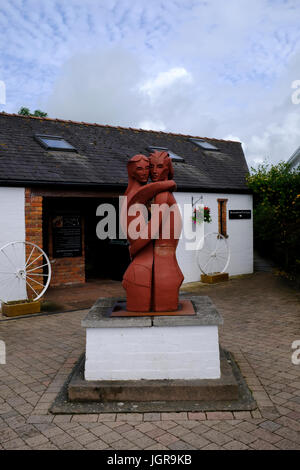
(25,271)
(214,256)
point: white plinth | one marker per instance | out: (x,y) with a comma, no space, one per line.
(152,348)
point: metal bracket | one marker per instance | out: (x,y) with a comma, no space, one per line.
(199,199)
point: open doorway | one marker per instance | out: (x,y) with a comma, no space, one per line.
(104,259)
(95,258)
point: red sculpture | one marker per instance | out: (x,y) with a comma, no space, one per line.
(153,278)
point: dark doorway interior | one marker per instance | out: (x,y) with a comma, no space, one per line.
(104,259)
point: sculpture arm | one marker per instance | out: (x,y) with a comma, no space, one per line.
(151,230)
(142,195)
(147,192)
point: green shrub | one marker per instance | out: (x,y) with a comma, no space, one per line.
(276,198)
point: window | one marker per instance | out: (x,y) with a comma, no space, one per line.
(173,156)
(203,144)
(53,142)
(222,216)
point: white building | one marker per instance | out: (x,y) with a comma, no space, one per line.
(55,173)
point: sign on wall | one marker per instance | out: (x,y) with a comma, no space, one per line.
(240,214)
(67,235)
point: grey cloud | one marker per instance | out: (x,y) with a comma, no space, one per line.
(99,87)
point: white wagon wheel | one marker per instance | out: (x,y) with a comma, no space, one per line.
(24,267)
(214,256)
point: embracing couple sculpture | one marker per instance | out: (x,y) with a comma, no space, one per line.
(153,278)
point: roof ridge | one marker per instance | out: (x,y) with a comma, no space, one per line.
(113,127)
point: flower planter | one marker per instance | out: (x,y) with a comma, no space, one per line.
(20,307)
(214,278)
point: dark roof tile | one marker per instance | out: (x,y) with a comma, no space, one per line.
(103,152)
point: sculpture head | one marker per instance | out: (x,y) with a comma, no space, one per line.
(161,167)
(138,168)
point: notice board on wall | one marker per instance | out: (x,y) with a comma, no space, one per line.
(67,235)
(240,214)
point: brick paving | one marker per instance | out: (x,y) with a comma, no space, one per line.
(261,320)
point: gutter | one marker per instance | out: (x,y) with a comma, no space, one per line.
(119,186)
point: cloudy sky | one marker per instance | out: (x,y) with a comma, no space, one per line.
(207,68)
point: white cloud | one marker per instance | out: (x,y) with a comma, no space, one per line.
(257,161)
(234,138)
(278,139)
(164,80)
(152,125)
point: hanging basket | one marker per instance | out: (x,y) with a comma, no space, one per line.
(201,215)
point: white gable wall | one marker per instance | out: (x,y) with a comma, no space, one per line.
(240,234)
(12,228)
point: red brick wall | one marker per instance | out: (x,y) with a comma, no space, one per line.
(34,218)
(65,271)
(34,234)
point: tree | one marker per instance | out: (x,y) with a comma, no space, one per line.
(39,113)
(26,112)
(276,191)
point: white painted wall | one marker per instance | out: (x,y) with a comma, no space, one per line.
(12,228)
(240,234)
(169,352)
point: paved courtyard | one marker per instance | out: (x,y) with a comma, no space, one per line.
(261,320)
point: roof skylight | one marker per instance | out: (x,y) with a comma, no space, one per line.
(173,156)
(203,144)
(54,142)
